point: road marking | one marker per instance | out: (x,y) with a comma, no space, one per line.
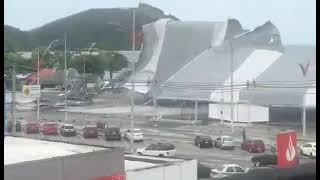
(210,164)
(99,137)
(41,134)
(62,137)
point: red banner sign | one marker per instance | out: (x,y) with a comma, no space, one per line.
(287,149)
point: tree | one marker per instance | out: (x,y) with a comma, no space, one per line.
(54,60)
(23,66)
(97,64)
(116,63)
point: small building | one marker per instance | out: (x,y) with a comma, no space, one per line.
(31,159)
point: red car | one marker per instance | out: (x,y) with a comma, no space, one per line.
(253,146)
(90,132)
(31,128)
(49,129)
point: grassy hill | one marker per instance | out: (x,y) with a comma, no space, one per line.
(110,28)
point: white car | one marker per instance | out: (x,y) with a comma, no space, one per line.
(308,149)
(224,142)
(159,149)
(137,135)
(227,169)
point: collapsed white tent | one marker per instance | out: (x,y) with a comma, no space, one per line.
(191,60)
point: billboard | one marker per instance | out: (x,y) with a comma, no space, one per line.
(287,149)
(31,91)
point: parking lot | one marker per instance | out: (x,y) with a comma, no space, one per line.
(163,132)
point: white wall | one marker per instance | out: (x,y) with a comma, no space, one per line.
(241,112)
(310,98)
(178,171)
(251,68)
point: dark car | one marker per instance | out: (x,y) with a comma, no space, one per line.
(264,160)
(67,130)
(203,141)
(90,132)
(112,133)
(32,128)
(253,146)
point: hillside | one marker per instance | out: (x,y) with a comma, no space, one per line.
(110,28)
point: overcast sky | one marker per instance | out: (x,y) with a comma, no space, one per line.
(296,19)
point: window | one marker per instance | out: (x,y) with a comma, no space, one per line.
(230,169)
(137,131)
(257,142)
(218,139)
(307,145)
(227,139)
(152,147)
(238,169)
(220,168)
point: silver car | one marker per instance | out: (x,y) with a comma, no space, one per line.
(224,142)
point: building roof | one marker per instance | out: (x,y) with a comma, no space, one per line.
(18,150)
(191,60)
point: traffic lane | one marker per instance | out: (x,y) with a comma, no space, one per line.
(211,157)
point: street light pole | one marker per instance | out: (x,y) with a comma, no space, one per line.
(132,89)
(38,83)
(66,78)
(38,76)
(84,59)
(231,84)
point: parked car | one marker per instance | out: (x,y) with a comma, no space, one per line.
(31,128)
(90,131)
(264,160)
(112,133)
(224,142)
(226,170)
(253,146)
(159,149)
(308,149)
(67,130)
(101,125)
(203,141)
(49,129)
(137,135)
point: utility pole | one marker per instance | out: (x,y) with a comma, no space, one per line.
(66,78)
(13,108)
(231,85)
(38,83)
(132,83)
(196,111)
(304,117)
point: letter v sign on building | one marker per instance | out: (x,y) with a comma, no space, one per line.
(287,149)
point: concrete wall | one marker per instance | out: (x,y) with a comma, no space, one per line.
(241,112)
(177,171)
(76,167)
